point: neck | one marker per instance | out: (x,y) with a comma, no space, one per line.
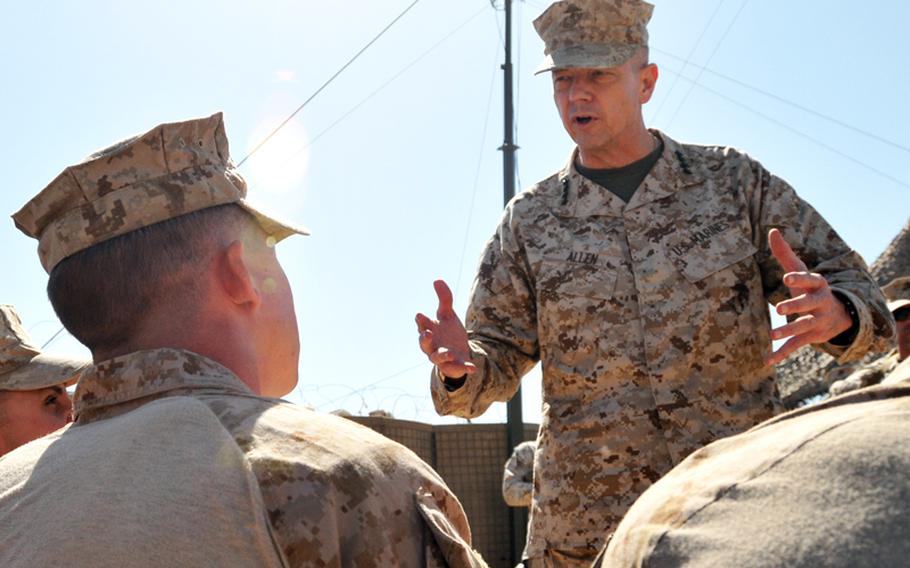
(629,150)
(229,346)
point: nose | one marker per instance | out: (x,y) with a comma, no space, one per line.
(67,407)
(579,90)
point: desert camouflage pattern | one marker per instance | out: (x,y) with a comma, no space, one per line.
(900,374)
(897,293)
(867,375)
(650,320)
(337,494)
(518,475)
(200,506)
(592,33)
(169,171)
(22,365)
(824,485)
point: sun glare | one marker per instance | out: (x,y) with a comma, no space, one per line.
(280,165)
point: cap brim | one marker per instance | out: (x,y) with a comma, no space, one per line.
(587,57)
(42,372)
(279,230)
(897,304)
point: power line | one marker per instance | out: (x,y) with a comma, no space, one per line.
(483,139)
(518,74)
(345,115)
(326,84)
(797,132)
(502,40)
(687,60)
(383,86)
(713,53)
(53,337)
(793,104)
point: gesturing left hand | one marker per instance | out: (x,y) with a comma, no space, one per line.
(821,315)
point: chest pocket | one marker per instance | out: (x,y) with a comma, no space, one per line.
(709,248)
(561,278)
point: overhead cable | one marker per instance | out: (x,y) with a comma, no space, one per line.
(518,75)
(53,337)
(797,132)
(716,48)
(326,84)
(483,140)
(793,104)
(687,60)
(381,87)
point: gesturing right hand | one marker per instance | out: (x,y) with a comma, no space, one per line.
(445,340)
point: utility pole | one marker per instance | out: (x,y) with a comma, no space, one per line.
(515,423)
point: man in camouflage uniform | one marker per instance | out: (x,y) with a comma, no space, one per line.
(162,268)
(898,294)
(518,480)
(33,398)
(644,296)
(517,475)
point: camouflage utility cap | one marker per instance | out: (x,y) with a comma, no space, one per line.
(897,292)
(22,365)
(592,33)
(169,171)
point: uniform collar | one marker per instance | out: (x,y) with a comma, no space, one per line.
(150,373)
(676,168)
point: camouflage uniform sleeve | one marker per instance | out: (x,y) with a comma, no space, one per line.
(502,327)
(858,379)
(448,526)
(774,204)
(339,495)
(517,476)
(344,518)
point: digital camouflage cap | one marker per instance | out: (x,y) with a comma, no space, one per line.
(171,170)
(592,33)
(22,365)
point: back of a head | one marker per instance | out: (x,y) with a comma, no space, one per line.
(104,294)
(117,504)
(127,232)
(133,239)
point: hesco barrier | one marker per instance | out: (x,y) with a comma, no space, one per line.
(470,458)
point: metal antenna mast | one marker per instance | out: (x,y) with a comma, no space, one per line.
(515,423)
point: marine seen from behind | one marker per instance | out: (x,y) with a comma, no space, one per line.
(160,265)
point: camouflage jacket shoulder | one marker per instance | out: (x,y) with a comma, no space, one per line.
(336,493)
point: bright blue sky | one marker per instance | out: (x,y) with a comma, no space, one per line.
(407,188)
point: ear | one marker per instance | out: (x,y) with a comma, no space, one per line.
(235,278)
(648,76)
